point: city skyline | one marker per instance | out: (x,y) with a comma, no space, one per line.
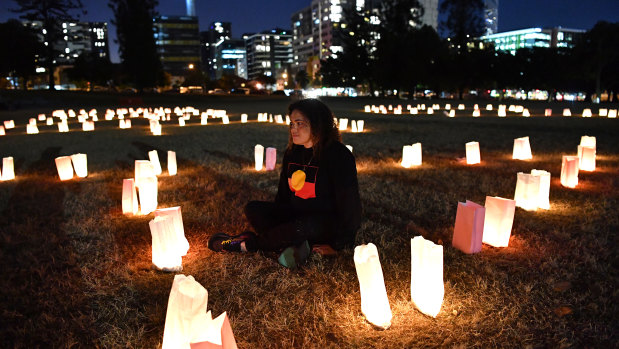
(268,14)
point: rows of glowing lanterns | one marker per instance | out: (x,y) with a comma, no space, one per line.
(188,324)
(571,164)
(187,320)
(501,110)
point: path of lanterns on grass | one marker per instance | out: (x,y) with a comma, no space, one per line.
(474,224)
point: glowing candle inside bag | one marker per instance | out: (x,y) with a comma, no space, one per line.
(374,301)
(259,156)
(427,288)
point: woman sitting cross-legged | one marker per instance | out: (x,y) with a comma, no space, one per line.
(317,201)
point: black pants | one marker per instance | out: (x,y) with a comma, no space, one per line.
(279,227)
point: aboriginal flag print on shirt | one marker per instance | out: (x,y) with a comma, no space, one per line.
(305,189)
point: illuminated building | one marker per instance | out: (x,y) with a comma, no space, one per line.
(268,53)
(231,59)
(315,27)
(75,39)
(533,37)
(178,43)
(209,41)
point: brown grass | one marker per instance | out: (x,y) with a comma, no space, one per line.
(77,273)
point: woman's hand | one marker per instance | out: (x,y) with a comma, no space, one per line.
(325,250)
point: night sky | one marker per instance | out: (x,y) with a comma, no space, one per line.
(248,16)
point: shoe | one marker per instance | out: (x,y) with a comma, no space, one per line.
(224,242)
(293,256)
(230,243)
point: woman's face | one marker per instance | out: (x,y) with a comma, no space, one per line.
(300,129)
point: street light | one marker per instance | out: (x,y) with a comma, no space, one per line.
(190,65)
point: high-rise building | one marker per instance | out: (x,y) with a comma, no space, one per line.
(76,38)
(268,53)
(315,28)
(231,58)
(514,40)
(210,40)
(491,17)
(178,43)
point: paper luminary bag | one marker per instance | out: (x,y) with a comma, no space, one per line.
(472,153)
(64,167)
(522,149)
(130,197)
(186,304)
(427,288)
(209,333)
(80,163)
(154,159)
(360,125)
(147,193)
(8,169)
(166,255)
(374,302)
(586,158)
(543,200)
(527,191)
(411,155)
(569,171)
(172,168)
(259,156)
(180,242)
(469,227)
(499,220)
(143,169)
(271,158)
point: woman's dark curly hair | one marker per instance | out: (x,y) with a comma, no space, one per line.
(323,129)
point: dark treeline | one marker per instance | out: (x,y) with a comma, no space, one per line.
(396,55)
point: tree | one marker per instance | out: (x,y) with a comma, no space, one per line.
(302,79)
(265,80)
(463,22)
(134,30)
(355,64)
(20,50)
(394,50)
(195,77)
(92,68)
(598,54)
(51,13)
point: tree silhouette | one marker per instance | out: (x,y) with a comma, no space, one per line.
(464,21)
(134,30)
(20,49)
(302,78)
(51,13)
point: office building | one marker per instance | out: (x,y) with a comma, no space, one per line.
(210,39)
(268,53)
(178,43)
(76,38)
(315,28)
(512,41)
(231,59)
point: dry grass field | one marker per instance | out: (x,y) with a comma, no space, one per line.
(76,272)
